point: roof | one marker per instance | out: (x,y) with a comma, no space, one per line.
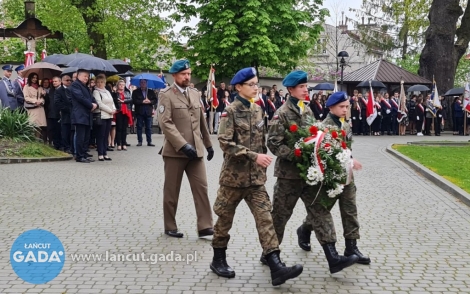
(386,72)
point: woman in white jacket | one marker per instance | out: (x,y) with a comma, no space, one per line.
(106,105)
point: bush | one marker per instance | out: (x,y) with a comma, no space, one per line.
(14,125)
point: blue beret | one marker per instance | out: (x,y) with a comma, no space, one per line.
(243,75)
(178,66)
(336,98)
(295,78)
(19,67)
(8,67)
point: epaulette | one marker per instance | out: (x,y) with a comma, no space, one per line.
(165,90)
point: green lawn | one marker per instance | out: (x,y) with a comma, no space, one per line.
(452,163)
(12,149)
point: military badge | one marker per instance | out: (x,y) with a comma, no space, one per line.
(253,70)
(260,125)
(161,109)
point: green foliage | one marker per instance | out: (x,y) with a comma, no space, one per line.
(462,73)
(411,63)
(128,29)
(14,125)
(9,149)
(452,163)
(234,34)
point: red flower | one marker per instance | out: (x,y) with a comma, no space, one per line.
(293,128)
(343,133)
(313,130)
(297,152)
(343,144)
(327,145)
(334,134)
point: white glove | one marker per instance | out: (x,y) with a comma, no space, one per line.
(321,114)
(387,111)
(417,118)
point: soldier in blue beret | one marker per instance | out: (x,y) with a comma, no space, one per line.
(289,185)
(181,118)
(243,176)
(7,93)
(338,104)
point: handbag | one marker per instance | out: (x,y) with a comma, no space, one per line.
(28,105)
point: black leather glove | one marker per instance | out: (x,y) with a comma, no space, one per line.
(210,153)
(189,151)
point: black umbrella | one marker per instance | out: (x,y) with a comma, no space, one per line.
(375,84)
(120,65)
(324,86)
(126,74)
(69,71)
(54,58)
(66,59)
(418,88)
(455,92)
(95,65)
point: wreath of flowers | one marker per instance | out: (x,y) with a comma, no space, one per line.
(323,156)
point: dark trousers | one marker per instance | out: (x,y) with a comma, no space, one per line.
(73,148)
(102,134)
(365,126)
(53,132)
(459,125)
(356,125)
(437,125)
(419,124)
(121,129)
(147,120)
(427,126)
(376,124)
(65,131)
(386,121)
(82,136)
(394,124)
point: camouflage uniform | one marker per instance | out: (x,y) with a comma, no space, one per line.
(241,137)
(290,186)
(347,204)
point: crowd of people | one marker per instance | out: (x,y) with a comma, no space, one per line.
(77,112)
(421,118)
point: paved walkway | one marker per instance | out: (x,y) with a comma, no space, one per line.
(416,234)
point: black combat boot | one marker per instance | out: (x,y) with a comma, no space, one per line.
(337,262)
(304,238)
(263,260)
(219,264)
(351,249)
(279,272)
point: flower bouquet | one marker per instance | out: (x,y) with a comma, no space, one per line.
(323,156)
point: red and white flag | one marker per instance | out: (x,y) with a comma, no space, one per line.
(371,112)
(43,54)
(29,58)
(466,99)
(212,89)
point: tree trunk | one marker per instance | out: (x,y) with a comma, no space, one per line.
(405,45)
(441,54)
(91,19)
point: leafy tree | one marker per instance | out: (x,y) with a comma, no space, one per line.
(411,63)
(112,29)
(234,34)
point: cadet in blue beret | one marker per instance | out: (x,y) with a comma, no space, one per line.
(19,67)
(243,176)
(338,104)
(179,65)
(181,119)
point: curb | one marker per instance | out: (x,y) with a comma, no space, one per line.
(436,179)
(30,160)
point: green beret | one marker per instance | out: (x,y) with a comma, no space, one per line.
(179,65)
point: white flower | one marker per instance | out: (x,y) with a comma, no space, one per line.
(335,192)
(344,157)
(297,144)
(314,175)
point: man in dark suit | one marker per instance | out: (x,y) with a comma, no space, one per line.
(52,114)
(63,104)
(144,100)
(83,104)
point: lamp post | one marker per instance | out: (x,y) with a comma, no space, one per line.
(342,62)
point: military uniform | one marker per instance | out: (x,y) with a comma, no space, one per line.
(289,186)
(7,92)
(182,122)
(241,137)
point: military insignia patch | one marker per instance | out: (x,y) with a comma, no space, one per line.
(260,125)
(161,109)
(224,114)
(253,70)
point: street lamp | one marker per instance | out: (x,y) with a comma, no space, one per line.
(342,62)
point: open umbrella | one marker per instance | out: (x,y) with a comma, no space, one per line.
(324,86)
(69,70)
(373,83)
(126,74)
(66,59)
(455,92)
(418,88)
(120,65)
(94,64)
(153,82)
(54,58)
(43,70)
